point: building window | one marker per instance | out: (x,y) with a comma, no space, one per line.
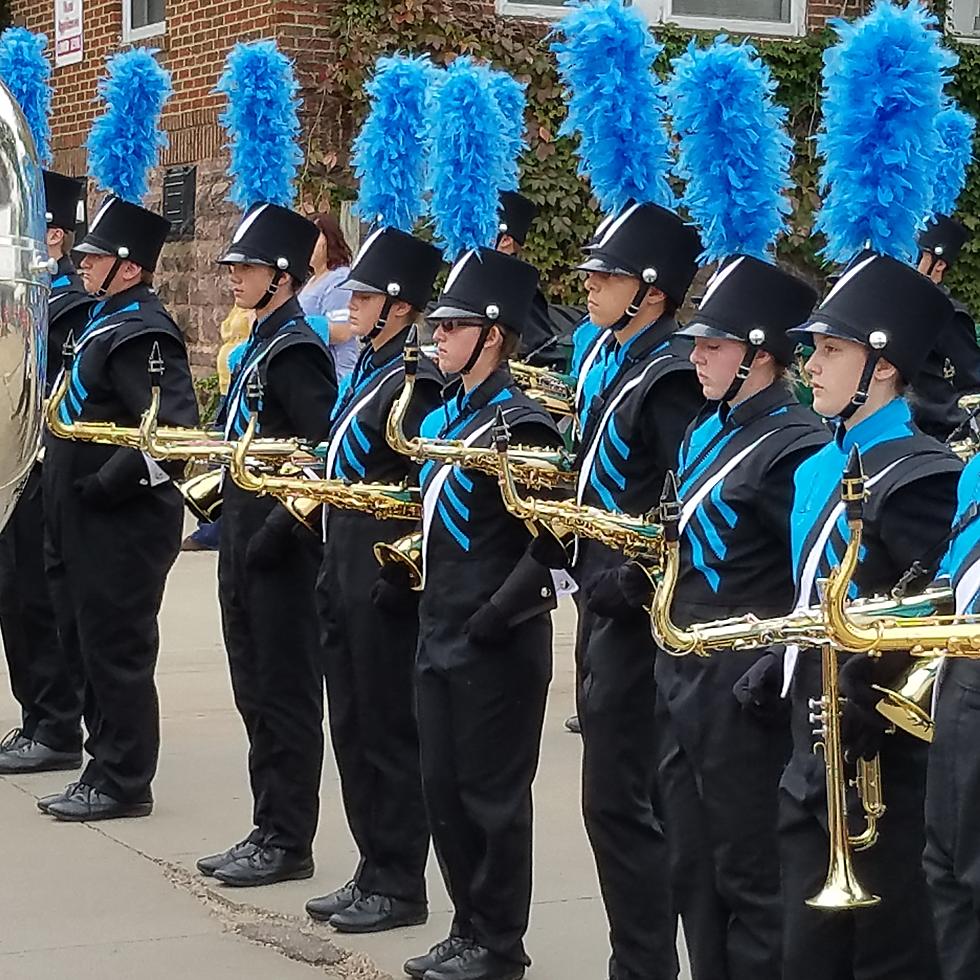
(963,19)
(143,18)
(779,17)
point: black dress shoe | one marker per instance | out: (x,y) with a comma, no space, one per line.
(320,909)
(30,756)
(45,801)
(208,865)
(265,866)
(87,803)
(573,725)
(378,913)
(446,950)
(476,963)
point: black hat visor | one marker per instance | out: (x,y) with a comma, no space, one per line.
(453,313)
(603,262)
(357,286)
(822,326)
(242,258)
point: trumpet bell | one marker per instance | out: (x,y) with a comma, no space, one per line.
(203,495)
(406,551)
(908,705)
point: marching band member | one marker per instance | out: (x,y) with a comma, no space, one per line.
(872,335)
(484,653)
(114,517)
(369,621)
(44,669)
(725,738)
(266,570)
(638,398)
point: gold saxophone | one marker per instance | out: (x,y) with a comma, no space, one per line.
(533,467)
(967,445)
(639,538)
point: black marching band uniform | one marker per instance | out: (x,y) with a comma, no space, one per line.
(721,757)
(114,519)
(368,641)
(911,482)
(484,653)
(637,401)
(267,566)
(45,670)
(952,851)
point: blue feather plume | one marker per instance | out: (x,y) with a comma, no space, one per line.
(389,152)
(262,123)
(125,141)
(882,91)
(26,71)
(466,162)
(511,98)
(734,152)
(616,103)
(956,129)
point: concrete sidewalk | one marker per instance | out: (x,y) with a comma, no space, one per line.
(121,899)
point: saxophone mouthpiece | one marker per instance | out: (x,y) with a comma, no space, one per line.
(155,366)
(68,351)
(852,486)
(411,352)
(670,508)
(253,393)
(500,433)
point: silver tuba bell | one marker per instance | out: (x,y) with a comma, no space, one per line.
(24,285)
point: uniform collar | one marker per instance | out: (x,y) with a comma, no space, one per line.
(893,416)
(485,392)
(270,325)
(65,266)
(139,293)
(639,346)
(762,403)
(389,350)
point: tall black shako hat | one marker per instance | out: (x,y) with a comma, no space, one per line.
(649,243)
(63,197)
(944,238)
(487,285)
(753,302)
(517,213)
(126,231)
(273,236)
(891,308)
(396,264)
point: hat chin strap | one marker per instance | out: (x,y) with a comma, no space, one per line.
(382,320)
(742,373)
(860,396)
(103,290)
(271,291)
(481,342)
(633,309)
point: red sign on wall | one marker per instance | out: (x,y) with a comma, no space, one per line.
(67,32)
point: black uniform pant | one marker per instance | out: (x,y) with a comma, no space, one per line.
(369,665)
(617,698)
(480,726)
(107,569)
(45,676)
(894,940)
(952,854)
(719,781)
(269,623)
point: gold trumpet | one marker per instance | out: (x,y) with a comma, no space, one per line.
(639,538)
(407,550)
(533,467)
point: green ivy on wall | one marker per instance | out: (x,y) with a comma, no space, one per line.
(368,28)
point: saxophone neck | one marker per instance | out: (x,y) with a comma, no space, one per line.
(240,471)
(395,426)
(53,409)
(512,498)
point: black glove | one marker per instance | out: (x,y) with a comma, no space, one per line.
(392,591)
(758,691)
(93,492)
(618,593)
(548,550)
(487,625)
(270,543)
(862,727)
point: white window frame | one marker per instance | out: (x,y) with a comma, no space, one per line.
(130,33)
(659,12)
(963,25)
